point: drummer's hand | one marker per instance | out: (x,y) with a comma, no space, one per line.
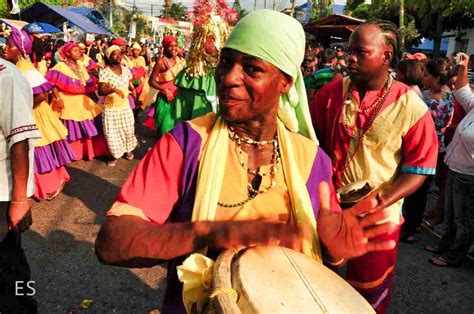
(236,234)
(19,216)
(347,234)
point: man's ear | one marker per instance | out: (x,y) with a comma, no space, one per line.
(388,56)
(287,83)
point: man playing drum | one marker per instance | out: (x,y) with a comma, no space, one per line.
(381,138)
(252,175)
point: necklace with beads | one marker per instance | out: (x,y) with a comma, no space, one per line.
(75,69)
(344,121)
(253,193)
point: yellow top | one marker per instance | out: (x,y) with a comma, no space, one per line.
(122,82)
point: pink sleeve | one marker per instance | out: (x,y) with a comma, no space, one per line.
(420,147)
(154,183)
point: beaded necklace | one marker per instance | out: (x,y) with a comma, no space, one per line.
(344,123)
(75,69)
(253,193)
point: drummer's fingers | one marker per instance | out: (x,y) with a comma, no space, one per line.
(324,198)
(365,205)
(374,218)
(377,230)
(379,245)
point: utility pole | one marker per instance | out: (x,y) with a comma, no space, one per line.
(111,19)
(151,5)
(254,5)
(64,7)
(402,22)
(264,4)
(273,7)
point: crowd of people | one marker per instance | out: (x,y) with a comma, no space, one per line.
(305,137)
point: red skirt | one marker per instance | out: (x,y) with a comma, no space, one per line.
(88,148)
(49,184)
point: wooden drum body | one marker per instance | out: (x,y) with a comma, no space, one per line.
(279,280)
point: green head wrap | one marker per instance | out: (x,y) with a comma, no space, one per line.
(279,39)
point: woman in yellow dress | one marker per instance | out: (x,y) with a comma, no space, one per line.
(75,104)
(52,151)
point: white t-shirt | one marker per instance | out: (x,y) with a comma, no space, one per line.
(16,124)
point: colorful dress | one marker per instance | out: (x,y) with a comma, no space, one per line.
(442,111)
(159,118)
(196,97)
(80,115)
(162,188)
(118,119)
(402,139)
(52,151)
(140,78)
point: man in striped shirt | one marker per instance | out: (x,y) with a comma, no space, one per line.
(325,73)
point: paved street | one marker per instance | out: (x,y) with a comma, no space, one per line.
(61,255)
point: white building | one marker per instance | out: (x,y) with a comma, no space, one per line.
(466,43)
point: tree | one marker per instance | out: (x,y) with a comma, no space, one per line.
(238,8)
(175,11)
(425,18)
(320,8)
(5,5)
(352,5)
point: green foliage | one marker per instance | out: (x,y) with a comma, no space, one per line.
(175,11)
(26,3)
(362,11)
(420,15)
(143,25)
(352,5)
(320,8)
(240,11)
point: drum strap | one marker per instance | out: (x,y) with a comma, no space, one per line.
(305,281)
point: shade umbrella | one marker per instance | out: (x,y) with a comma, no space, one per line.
(41,28)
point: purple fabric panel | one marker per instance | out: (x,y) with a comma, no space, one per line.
(78,130)
(91,84)
(52,156)
(132,101)
(65,83)
(43,88)
(190,143)
(151,111)
(321,171)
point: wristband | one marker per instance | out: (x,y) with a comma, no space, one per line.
(18,202)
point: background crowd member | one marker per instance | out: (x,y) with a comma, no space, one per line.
(325,74)
(409,72)
(381,137)
(75,104)
(141,77)
(440,100)
(52,151)
(341,58)
(17,136)
(459,200)
(118,118)
(162,79)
